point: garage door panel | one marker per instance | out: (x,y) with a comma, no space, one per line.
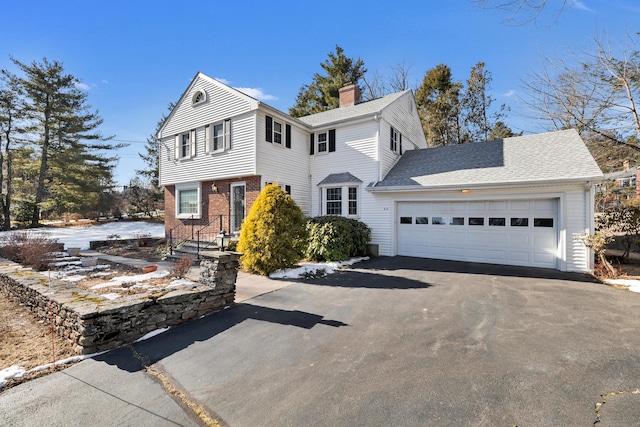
(520,244)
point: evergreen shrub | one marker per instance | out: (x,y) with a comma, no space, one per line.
(273,235)
(335,238)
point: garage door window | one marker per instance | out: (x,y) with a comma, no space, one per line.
(438,220)
(476,221)
(519,222)
(498,222)
(457,220)
(422,220)
(543,222)
(406,220)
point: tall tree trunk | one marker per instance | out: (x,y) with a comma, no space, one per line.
(7,200)
(35,219)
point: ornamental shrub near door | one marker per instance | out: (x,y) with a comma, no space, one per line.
(273,235)
(335,238)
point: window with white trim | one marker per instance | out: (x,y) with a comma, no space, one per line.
(333,198)
(188,201)
(199,97)
(185,145)
(277,132)
(218,136)
(334,201)
(322,142)
(353,200)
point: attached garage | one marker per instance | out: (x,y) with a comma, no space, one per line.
(512,232)
(516,201)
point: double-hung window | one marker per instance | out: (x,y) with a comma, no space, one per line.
(353,200)
(218,136)
(185,145)
(322,142)
(187,201)
(395,140)
(277,132)
(334,201)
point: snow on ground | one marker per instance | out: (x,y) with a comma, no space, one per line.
(313,269)
(79,237)
(632,284)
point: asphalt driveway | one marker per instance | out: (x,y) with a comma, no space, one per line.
(391,341)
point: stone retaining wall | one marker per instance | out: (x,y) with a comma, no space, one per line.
(94,323)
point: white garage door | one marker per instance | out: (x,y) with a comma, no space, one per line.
(512,232)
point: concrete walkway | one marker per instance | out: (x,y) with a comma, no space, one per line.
(247,285)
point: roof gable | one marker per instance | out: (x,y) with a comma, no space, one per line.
(549,157)
(214,91)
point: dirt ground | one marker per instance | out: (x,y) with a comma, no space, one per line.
(27,342)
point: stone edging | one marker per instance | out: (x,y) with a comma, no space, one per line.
(94,323)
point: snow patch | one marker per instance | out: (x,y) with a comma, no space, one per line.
(632,284)
(314,269)
(152,334)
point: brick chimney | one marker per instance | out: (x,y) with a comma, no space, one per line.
(349,95)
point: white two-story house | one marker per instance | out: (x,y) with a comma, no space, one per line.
(507,202)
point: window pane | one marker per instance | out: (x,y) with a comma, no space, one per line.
(543,222)
(184,146)
(519,222)
(422,220)
(322,142)
(457,220)
(353,201)
(405,220)
(218,137)
(497,222)
(334,201)
(476,221)
(438,220)
(188,201)
(277,132)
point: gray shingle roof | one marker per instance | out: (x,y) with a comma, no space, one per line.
(340,178)
(548,157)
(354,111)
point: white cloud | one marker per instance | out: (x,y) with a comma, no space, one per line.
(257,93)
(510,93)
(221,80)
(82,86)
(577,4)
(104,82)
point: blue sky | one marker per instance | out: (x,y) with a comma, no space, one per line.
(134,57)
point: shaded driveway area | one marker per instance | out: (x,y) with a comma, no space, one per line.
(391,341)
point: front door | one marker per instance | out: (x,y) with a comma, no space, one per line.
(237,206)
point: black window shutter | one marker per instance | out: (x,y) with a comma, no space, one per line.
(332,140)
(400,144)
(312,143)
(288,136)
(269,129)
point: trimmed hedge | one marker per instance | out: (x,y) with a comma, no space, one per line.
(335,238)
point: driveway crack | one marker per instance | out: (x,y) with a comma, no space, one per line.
(166,384)
(598,407)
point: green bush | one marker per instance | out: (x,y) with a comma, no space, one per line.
(335,238)
(273,235)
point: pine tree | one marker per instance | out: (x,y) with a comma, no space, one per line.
(476,104)
(65,132)
(11,114)
(323,92)
(438,100)
(273,235)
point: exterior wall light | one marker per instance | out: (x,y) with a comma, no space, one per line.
(214,189)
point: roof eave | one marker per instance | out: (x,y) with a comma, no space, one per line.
(587,181)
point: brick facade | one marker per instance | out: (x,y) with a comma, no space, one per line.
(214,203)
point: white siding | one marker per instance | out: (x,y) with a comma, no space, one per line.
(287,166)
(403,116)
(239,160)
(222,103)
(576,223)
(355,153)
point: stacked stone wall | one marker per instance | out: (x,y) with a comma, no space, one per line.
(94,323)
